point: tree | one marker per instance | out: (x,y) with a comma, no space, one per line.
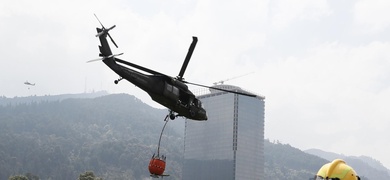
(31,176)
(18,177)
(88,175)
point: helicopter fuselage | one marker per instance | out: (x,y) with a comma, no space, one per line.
(165,90)
(171,92)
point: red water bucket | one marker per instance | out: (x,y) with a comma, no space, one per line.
(156,166)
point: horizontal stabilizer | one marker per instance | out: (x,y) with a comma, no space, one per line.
(103,58)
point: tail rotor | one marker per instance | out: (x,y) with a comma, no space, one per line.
(105,31)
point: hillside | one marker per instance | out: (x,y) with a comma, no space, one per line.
(114,136)
(363,165)
(283,162)
(26,100)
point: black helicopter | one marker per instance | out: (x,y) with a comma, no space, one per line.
(28,83)
(171,92)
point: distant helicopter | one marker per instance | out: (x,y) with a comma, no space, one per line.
(28,83)
(171,92)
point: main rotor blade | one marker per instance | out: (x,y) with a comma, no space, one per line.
(225,90)
(139,67)
(188,57)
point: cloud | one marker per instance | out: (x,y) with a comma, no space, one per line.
(286,12)
(372,15)
(333,94)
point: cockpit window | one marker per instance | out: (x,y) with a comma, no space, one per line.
(172,89)
(200,104)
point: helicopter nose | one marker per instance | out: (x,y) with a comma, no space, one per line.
(203,114)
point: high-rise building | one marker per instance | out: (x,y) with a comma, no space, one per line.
(230,144)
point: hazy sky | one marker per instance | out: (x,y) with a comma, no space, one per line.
(323,66)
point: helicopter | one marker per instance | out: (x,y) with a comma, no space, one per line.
(28,83)
(171,92)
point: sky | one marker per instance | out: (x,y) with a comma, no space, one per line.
(322,65)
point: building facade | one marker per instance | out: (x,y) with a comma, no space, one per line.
(230,144)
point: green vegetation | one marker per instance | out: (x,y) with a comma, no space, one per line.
(88,176)
(113,137)
(18,177)
(284,162)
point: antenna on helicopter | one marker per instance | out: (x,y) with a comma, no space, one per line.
(105,31)
(222,81)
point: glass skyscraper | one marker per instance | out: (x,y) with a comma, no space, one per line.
(230,144)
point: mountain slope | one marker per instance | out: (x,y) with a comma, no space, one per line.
(363,165)
(113,135)
(26,100)
(284,162)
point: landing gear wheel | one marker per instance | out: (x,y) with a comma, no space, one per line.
(172,116)
(117,81)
